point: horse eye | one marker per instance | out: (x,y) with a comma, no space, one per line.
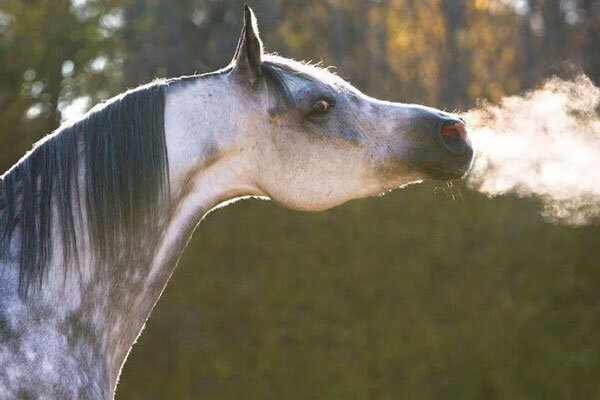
(321,107)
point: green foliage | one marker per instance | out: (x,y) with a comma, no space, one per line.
(414,295)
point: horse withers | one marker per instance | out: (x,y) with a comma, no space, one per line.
(95,217)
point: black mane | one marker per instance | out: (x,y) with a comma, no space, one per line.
(109,171)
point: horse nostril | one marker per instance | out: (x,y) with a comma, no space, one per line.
(454,129)
(454,136)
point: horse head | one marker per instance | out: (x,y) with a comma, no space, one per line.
(313,141)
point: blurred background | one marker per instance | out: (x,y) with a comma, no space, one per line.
(432,292)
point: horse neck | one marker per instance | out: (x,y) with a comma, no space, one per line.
(103,310)
(217,175)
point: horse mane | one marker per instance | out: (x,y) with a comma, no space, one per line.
(108,171)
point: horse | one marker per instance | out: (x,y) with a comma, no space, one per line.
(94,218)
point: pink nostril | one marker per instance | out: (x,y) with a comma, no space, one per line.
(454,130)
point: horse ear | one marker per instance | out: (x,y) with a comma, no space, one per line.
(248,54)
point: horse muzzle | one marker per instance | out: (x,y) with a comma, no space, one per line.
(436,143)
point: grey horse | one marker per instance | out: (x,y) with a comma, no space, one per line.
(94,218)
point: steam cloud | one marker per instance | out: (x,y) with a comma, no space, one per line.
(546,144)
